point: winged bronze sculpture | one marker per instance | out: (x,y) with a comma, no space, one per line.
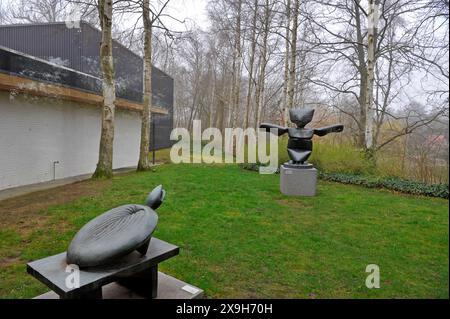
(300,144)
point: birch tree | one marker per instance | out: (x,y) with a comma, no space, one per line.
(260,89)
(39,11)
(286,63)
(250,83)
(105,160)
(237,66)
(149,18)
(293,55)
(372,33)
(144,163)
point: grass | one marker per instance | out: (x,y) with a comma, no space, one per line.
(239,237)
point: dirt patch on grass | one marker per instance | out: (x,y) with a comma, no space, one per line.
(8,261)
(292,203)
(25,225)
(24,213)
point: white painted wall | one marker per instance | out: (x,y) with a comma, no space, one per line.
(36,131)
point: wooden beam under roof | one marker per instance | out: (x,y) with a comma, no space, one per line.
(20,84)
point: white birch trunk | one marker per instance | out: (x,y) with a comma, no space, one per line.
(252,62)
(286,65)
(263,63)
(371,61)
(105,158)
(291,83)
(144,163)
(237,67)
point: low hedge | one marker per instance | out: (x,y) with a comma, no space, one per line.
(254,167)
(391,183)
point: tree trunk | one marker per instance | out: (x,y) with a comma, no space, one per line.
(220,115)
(144,163)
(212,97)
(371,61)
(251,62)
(286,65)
(362,69)
(263,63)
(291,83)
(237,63)
(105,156)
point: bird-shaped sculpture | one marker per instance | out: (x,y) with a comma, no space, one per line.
(116,233)
(300,143)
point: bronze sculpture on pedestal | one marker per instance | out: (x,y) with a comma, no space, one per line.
(116,233)
(300,143)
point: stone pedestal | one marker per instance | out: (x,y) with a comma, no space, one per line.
(298,181)
(136,272)
(168,288)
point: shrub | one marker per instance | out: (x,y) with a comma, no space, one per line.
(250,166)
(331,157)
(391,183)
(255,167)
(340,158)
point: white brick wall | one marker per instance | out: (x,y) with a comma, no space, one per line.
(36,131)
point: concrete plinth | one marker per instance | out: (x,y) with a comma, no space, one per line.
(298,181)
(168,288)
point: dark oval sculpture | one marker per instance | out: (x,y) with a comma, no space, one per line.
(115,234)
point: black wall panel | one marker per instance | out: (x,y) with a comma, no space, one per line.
(78,49)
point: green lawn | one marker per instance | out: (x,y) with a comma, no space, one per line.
(239,237)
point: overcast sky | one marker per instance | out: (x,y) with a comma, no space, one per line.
(189,10)
(193,10)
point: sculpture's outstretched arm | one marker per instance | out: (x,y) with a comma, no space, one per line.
(329,129)
(267,126)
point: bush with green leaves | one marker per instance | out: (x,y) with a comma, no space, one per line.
(391,183)
(333,157)
(340,158)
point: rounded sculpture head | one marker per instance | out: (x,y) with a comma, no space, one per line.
(156,197)
(301,117)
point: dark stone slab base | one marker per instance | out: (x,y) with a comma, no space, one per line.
(168,288)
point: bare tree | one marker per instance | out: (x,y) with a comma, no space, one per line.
(350,49)
(105,161)
(34,11)
(251,63)
(41,11)
(150,17)
(237,66)
(263,60)
(293,55)
(143,163)
(2,13)
(287,56)
(372,33)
